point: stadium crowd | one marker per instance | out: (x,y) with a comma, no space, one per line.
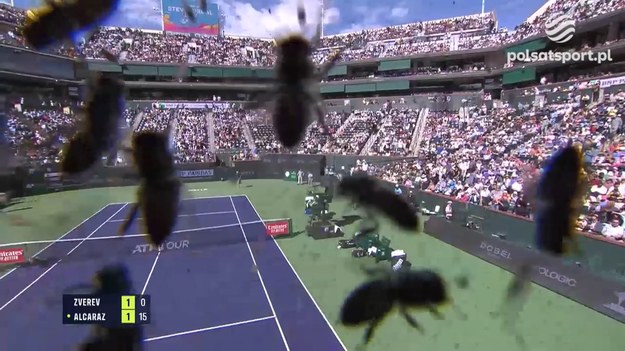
(452,34)
(485,157)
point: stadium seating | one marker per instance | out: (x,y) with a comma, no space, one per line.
(484,158)
(472,32)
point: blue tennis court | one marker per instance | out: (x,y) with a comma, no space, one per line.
(219,281)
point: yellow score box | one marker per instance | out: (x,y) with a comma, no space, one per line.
(128,316)
(128,302)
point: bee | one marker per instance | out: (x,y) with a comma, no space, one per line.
(99,131)
(558,194)
(158,195)
(367,192)
(113,280)
(296,93)
(57,20)
(373,300)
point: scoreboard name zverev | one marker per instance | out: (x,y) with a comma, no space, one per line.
(108,310)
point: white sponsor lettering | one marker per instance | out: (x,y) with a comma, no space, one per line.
(553,275)
(618,306)
(495,251)
(196,173)
(170,245)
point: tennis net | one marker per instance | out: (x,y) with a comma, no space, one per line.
(194,240)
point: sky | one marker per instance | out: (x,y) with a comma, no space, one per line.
(268,18)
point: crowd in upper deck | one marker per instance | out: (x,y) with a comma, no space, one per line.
(462,33)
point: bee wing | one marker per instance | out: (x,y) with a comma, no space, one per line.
(301,15)
(315,41)
(327,66)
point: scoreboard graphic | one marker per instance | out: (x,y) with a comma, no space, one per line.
(107,310)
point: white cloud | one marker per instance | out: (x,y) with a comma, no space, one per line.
(399,12)
(243,19)
(370,18)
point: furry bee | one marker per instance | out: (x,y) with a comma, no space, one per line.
(296,94)
(373,300)
(115,280)
(558,194)
(99,131)
(158,196)
(57,20)
(369,193)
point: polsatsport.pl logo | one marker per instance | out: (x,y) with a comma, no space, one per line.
(562,57)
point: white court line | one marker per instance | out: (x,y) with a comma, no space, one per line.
(145,286)
(61,237)
(300,279)
(57,262)
(182,215)
(189,199)
(210,328)
(273,311)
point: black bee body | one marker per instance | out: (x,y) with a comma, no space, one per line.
(58,20)
(99,131)
(369,193)
(559,197)
(115,339)
(114,280)
(158,196)
(296,95)
(372,301)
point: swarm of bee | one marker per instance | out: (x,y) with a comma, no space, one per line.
(296,95)
(372,301)
(98,133)
(158,196)
(367,192)
(113,279)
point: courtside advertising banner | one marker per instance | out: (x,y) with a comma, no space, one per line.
(176,19)
(15,255)
(278,228)
(603,295)
(198,173)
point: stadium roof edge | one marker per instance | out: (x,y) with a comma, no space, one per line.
(540,10)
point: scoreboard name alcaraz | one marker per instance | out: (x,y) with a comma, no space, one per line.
(89,317)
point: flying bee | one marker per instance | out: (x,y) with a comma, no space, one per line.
(100,128)
(558,194)
(158,195)
(367,192)
(58,20)
(114,280)
(296,95)
(372,301)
